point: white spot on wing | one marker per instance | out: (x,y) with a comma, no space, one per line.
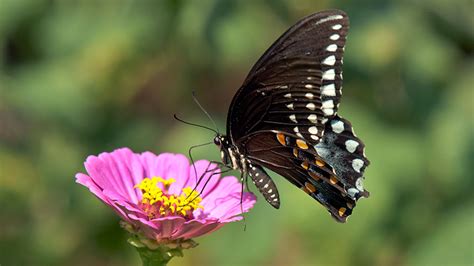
(329,74)
(328,104)
(288,95)
(293,118)
(328,111)
(337,27)
(331,48)
(330,60)
(337,126)
(308,86)
(309,95)
(312,118)
(311,106)
(357,164)
(333,17)
(334,37)
(329,90)
(295,129)
(360,184)
(352,192)
(314,137)
(351,145)
(290,106)
(313,130)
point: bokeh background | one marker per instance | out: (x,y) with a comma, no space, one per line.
(79,78)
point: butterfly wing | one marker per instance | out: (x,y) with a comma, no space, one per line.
(330,171)
(296,85)
(345,152)
(279,116)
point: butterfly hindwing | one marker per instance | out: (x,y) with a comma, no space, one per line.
(346,154)
(292,158)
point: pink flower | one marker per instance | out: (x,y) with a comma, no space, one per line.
(155,195)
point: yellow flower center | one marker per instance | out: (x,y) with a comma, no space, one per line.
(157,202)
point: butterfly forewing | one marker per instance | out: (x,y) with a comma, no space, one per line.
(296,85)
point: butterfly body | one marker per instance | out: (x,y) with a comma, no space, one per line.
(284,118)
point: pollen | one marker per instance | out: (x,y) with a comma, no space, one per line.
(157,202)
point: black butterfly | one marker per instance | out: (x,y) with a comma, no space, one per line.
(284,118)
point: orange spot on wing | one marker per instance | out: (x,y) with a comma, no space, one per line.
(320,163)
(313,175)
(295,152)
(305,190)
(301,144)
(281,139)
(342,210)
(305,165)
(333,180)
(310,187)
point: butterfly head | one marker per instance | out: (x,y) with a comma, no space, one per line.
(228,153)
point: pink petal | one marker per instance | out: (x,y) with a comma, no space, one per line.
(208,179)
(195,228)
(88,182)
(229,214)
(111,171)
(179,170)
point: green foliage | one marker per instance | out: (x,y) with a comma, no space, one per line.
(78,78)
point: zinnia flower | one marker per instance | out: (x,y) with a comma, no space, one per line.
(157,198)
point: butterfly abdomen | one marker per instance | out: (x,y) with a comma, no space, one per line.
(264,184)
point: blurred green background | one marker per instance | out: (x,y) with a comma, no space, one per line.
(78,78)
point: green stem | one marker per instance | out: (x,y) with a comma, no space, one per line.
(158,257)
(155,253)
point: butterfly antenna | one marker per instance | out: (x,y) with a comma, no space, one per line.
(193,124)
(205,112)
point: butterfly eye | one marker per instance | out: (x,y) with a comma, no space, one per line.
(217,141)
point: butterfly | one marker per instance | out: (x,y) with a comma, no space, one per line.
(284,118)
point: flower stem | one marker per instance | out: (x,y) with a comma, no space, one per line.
(155,253)
(158,257)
